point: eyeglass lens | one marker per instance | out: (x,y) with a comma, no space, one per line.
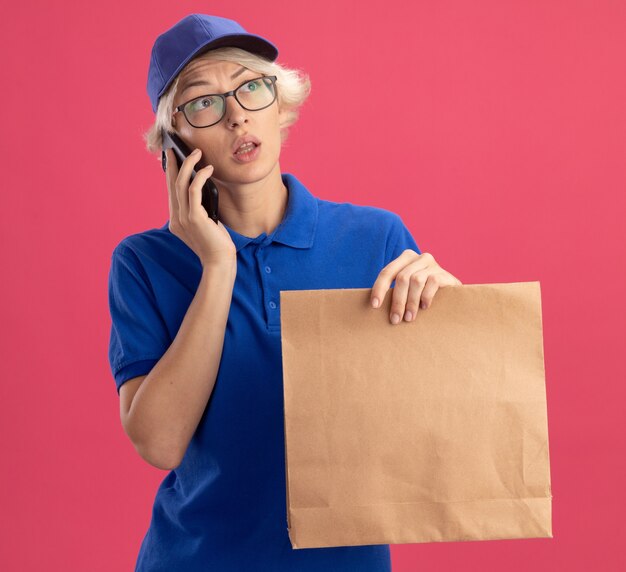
(209,109)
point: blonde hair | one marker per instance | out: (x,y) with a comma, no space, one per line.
(292,87)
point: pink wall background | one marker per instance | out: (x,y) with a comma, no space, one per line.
(500,138)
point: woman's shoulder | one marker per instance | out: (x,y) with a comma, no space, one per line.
(358,216)
(336,216)
(145,242)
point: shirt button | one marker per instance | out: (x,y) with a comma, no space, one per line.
(272,305)
(268,269)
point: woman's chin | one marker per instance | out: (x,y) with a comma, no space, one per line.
(249,173)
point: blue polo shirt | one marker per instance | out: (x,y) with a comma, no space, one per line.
(224,507)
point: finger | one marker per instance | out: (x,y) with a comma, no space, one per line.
(195,193)
(416,295)
(182,184)
(171,172)
(388,274)
(409,283)
(434,282)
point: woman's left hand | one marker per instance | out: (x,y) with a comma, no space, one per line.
(418,277)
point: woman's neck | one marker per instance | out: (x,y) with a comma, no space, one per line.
(251,209)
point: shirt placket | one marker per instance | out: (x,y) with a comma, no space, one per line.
(269,285)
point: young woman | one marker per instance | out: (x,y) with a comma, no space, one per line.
(195,339)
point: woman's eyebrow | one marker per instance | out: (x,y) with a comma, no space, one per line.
(202,82)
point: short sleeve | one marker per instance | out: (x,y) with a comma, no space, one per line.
(139,336)
(399,240)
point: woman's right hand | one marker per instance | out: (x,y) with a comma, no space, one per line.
(189,220)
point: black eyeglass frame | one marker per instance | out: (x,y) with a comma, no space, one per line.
(223,96)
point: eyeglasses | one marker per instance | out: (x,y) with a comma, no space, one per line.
(253,95)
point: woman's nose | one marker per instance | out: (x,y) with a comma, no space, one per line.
(235,114)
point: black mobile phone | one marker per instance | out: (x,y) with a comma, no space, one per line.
(181,151)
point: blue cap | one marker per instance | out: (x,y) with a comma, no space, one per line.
(191,36)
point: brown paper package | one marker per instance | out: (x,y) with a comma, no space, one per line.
(425,431)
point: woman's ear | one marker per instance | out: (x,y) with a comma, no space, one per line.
(283,114)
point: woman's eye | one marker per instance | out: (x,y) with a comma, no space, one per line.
(200,104)
(253,85)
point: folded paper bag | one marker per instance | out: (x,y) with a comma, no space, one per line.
(430,430)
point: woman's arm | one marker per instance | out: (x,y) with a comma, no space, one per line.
(161,411)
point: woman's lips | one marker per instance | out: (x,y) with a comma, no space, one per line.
(247,157)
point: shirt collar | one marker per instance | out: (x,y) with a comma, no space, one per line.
(299,223)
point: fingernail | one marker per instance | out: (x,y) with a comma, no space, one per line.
(408,315)
(375,302)
(196,151)
(423,305)
(395,318)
